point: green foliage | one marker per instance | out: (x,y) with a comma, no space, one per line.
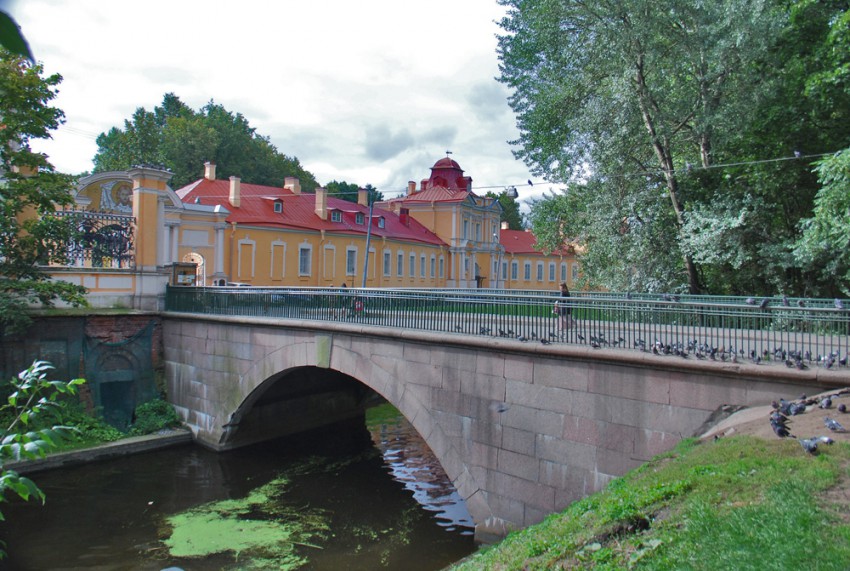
(182,139)
(826,236)
(30,396)
(30,190)
(664,125)
(153,416)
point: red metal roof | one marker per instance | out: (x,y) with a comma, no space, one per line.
(518,242)
(256,208)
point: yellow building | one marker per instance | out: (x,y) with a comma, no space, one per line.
(441,234)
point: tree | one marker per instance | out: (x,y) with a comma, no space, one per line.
(28,398)
(182,139)
(30,191)
(625,90)
(825,242)
(510,210)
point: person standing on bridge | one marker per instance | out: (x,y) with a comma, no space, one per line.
(563,309)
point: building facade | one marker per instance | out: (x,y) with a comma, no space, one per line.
(440,234)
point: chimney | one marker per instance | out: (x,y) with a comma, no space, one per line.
(292,184)
(362,197)
(404,216)
(209,170)
(235,187)
(322,203)
(411,187)
(505,225)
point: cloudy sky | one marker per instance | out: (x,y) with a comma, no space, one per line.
(367,92)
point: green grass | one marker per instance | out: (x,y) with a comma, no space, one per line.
(739,503)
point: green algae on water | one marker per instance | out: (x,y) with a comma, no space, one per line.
(259,530)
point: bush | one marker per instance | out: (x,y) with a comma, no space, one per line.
(154,416)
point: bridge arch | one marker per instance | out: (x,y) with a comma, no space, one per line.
(335,359)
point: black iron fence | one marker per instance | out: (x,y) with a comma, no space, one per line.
(100,240)
(795,332)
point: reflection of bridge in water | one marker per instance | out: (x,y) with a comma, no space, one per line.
(522,428)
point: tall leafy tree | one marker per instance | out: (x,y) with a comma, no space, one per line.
(30,191)
(182,139)
(510,210)
(625,90)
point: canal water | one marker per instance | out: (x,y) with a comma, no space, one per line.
(341,498)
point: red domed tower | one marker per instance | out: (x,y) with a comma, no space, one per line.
(446,173)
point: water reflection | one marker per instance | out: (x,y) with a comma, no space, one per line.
(115,515)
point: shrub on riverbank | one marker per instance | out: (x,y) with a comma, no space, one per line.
(738,503)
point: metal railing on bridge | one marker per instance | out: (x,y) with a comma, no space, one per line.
(796,332)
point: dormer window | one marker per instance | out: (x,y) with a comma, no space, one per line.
(358,218)
(336,216)
(381,222)
(278,206)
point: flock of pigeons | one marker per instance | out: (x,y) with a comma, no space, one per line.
(784,409)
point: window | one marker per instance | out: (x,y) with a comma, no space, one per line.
(563,272)
(575,272)
(381,222)
(433,266)
(422,273)
(358,218)
(350,261)
(305,259)
(478,231)
(399,270)
(387,263)
(540,271)
(412,267)
(442,266)
(336,216)
(465,229)
(504,270)
(514,270)
(278,206)
(551,271)
(526,271)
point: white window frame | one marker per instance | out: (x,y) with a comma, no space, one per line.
(336,216)
(351,260)
(388,262)
(514,270)
(540,271)
(526,271)
(400,263)
(305,260)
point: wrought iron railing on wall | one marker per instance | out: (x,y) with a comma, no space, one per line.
(100,240)
(797,333)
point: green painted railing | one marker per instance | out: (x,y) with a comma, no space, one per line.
(796,332)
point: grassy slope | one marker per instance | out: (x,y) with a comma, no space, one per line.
(738,503)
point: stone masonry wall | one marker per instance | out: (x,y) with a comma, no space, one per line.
(522,429)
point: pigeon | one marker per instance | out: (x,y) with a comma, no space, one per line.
(750,301)
(810,445)
(833,425)
(764,303)
(825,440)
(530,183)
(785,301)
(545,341)
(826,402)
(839,304)
(780,430)
(842,407)
(522,338)
(796,408)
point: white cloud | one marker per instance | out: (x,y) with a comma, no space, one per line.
(368,92)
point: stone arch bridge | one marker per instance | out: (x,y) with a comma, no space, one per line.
(522,429)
